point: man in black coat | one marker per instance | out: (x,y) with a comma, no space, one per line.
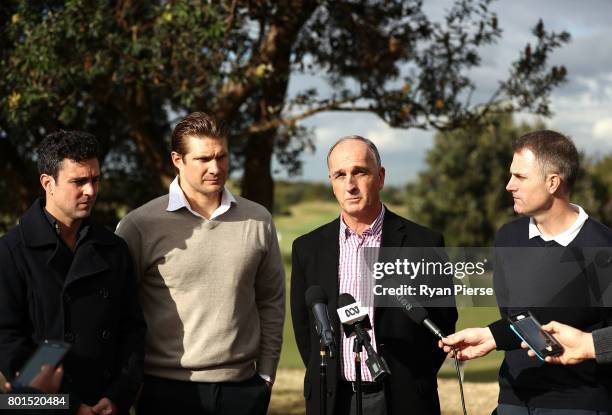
(323,257)
(63,277)
(543,171)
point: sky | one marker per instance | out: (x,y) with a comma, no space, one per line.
(582,107)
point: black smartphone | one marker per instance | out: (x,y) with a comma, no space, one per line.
(529,330)
(48,353)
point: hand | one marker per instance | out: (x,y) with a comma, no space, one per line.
(577,345)
(47,381)
(470,343)
(85,410)
(105,407)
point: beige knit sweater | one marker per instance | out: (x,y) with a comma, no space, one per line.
(212,292)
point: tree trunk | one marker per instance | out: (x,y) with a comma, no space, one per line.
(257,182)
(149,140)
(275,51)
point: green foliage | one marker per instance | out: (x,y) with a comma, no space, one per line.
(462,191)
(593,190)
(126,70)
(288,194)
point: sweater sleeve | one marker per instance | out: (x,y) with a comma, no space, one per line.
(270,300)
(602,339)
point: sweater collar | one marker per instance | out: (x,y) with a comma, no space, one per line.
(565,237)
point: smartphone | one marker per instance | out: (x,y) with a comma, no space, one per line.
(48,353)
(529,330)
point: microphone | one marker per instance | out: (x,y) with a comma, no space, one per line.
(317,301)
(419,315)
(356,322)
(351,313)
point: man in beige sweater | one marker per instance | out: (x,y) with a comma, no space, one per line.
(211,285)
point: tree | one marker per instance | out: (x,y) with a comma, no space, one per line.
(462,192)
(594,189)
(126,69)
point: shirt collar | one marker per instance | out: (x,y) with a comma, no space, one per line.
(177,200)
(375,228)
(83,230)
(565,237)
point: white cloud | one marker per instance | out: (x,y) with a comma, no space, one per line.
(602,130)
(582,107)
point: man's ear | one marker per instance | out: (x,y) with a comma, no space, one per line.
(48,183)
(381,173)
(177,160)
(553,183)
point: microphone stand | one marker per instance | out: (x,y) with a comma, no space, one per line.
(357,349)
(323,379)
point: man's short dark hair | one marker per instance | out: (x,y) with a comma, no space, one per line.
(368,142)
(60,145)
(197,124)
(554,151)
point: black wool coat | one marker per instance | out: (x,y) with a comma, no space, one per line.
(409,349)
(93,306)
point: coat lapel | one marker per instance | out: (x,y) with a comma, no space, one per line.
(328,253)
(393,236)
(86,262)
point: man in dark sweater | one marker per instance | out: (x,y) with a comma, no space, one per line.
(543,172)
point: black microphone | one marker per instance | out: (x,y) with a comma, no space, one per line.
(356,321)
(419,315)
(317,301)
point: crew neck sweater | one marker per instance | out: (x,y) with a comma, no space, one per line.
(212,291)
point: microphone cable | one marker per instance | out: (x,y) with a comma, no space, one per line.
(460,380)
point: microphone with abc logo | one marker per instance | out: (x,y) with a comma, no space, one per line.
(356,322)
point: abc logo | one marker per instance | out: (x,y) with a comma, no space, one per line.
(353,311)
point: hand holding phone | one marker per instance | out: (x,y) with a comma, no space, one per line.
(529,330)
(49,353)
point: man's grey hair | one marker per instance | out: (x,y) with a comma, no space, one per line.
(368,142)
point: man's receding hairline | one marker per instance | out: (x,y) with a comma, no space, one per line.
(359,139)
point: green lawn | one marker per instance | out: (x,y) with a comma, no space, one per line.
(310,215)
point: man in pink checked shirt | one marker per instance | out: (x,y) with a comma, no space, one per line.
(328,257)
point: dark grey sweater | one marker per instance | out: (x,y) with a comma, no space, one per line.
(603,345)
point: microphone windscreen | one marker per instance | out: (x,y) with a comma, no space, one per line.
(415,313)
(345,299)
(314,295)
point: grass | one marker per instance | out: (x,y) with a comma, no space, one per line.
(306,217)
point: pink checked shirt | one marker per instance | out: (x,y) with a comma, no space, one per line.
(350,281)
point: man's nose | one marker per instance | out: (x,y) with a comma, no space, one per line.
(213,167)
(89,189)
(511,186)
(351,184)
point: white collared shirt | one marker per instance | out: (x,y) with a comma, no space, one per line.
(177,200)
(565,237)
